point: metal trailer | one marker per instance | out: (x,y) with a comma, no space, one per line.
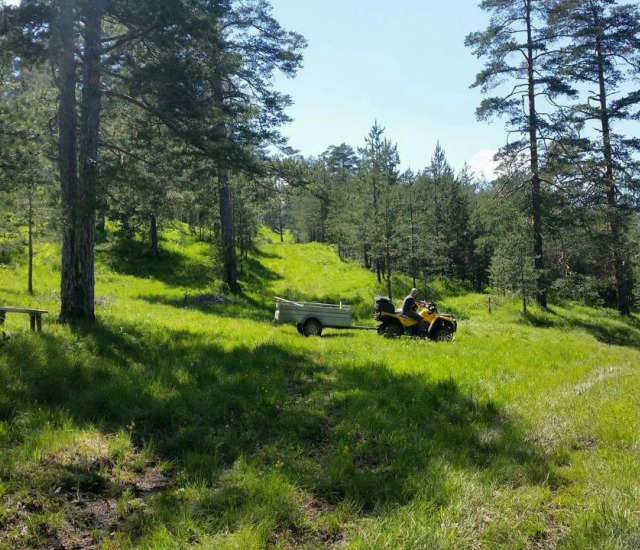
(311,317)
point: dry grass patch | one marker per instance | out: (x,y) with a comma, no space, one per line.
(82,489)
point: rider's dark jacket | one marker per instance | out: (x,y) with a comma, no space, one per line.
(409,305)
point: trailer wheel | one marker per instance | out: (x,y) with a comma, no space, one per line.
(299,328)
(312,327)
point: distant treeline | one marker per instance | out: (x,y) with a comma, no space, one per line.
(144,113)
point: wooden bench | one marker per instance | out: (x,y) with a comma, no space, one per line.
(35,315)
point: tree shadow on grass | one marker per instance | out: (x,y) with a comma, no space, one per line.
(239,305)
(258,252)
(539,320)
(170,267)
(342,433)
(255,275)
(258,305)
(620,331)
(393,433)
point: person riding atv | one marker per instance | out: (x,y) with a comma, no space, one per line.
(394,322)
(410,309)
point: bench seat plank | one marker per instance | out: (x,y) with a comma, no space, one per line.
(35,315)
(23,310)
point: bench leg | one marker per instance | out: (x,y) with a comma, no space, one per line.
(32,319)
(2,317)
(39,323)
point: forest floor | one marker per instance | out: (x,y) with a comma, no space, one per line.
(184,418)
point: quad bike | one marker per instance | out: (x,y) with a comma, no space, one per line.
(439,326)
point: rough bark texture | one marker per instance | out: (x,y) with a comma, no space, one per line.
(78,279)
(229,259)
(281,220)
(622,281)
(153,235)
(101,220)
(388,270)
(30,240)
(536,199)
(67,152)
(226,228)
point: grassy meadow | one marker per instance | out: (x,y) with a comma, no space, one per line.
(185,419)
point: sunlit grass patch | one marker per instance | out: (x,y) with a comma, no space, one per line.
(179,421)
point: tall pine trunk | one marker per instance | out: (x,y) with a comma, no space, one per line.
(536,198)
(366,258)
(622,281)
(414,245)
(101,220)
(230,270)
(229,259)
(79,178)
(388,269)
(153,235)
(67,152)
(31,222)
(281,220)
(88,159)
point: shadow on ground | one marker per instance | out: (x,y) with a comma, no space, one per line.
(255,275)
(236,305)
(256,305)
(361,434)
(606,328)
(260,253)
(170,267)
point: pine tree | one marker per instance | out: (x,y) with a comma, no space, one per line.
(205,70)
(602,53)
(444,233)
(202,68)
(378,178)
(26,185)
(512,267)
(515,44)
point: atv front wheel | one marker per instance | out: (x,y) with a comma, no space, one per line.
(444,333)
(312,327)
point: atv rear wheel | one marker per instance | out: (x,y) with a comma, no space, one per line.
(312,327)
(393,330)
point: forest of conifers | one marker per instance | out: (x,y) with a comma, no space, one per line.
(134,115)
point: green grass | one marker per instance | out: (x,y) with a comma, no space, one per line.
(174,423)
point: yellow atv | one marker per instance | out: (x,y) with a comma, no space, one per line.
(439,326)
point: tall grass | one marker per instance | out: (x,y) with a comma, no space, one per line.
(175,422)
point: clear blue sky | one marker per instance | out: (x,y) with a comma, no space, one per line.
(402,63)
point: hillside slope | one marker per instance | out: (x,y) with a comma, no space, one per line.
(185,418)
